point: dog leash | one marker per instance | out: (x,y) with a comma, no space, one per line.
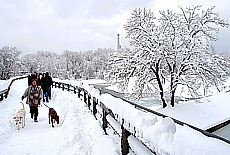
(46,105)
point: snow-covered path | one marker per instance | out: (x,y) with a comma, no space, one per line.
(78,131)
(33,138)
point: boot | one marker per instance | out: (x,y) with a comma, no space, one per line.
(35,118)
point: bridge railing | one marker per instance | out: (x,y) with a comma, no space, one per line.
(4,93)
(105,115)
(109,118)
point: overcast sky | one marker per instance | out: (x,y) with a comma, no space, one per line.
(57,25)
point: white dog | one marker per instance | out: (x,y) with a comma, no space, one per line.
(20,117)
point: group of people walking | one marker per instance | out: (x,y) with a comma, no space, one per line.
(38,89)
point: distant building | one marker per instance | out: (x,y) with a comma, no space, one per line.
(118,42)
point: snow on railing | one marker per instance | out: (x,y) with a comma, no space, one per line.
(131,135)
(108,118)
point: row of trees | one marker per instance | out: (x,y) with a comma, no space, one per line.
(69,64)
(172,50)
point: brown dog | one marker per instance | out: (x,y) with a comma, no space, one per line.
(53,116)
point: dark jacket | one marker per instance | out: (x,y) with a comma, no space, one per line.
(29,80)
(44,84)
(50,81)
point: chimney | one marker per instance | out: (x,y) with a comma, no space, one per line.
(118,42)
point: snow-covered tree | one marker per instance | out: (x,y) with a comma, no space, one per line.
(172,50)
(43,62)
(100,62)
(9,61)
(95,63)
(121,66)
(69,64)
(72,63)
(28,62)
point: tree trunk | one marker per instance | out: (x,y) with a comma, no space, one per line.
(160,87)
(162,99)
(173,98)
(172,88)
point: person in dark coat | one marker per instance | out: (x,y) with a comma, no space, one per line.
(38,80)
(45,85)
(33,76)
(29,80)
(50,83)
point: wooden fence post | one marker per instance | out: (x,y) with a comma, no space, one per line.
(105,123)
(94,106)
(124,140)
(74,90)
(85,98)
(63,86)
(1,97)
(68,87)
(79,92)
(7,92)
(89,98)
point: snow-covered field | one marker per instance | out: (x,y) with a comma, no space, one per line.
(81,134)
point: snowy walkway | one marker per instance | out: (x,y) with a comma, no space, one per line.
(33,139)
(80,134)
(78,131)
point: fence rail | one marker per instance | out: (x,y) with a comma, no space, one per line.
(4,93)
(100,111)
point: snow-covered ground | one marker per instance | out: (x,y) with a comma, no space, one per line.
(204,113)
(81,134)
(78,132)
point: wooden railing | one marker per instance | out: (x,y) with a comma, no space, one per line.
(100,111)
(4,93)
(108,118)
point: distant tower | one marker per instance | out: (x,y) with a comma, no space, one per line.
(118,42)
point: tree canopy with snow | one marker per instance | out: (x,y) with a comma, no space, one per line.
(9,62)
(173,49)
(69,64)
